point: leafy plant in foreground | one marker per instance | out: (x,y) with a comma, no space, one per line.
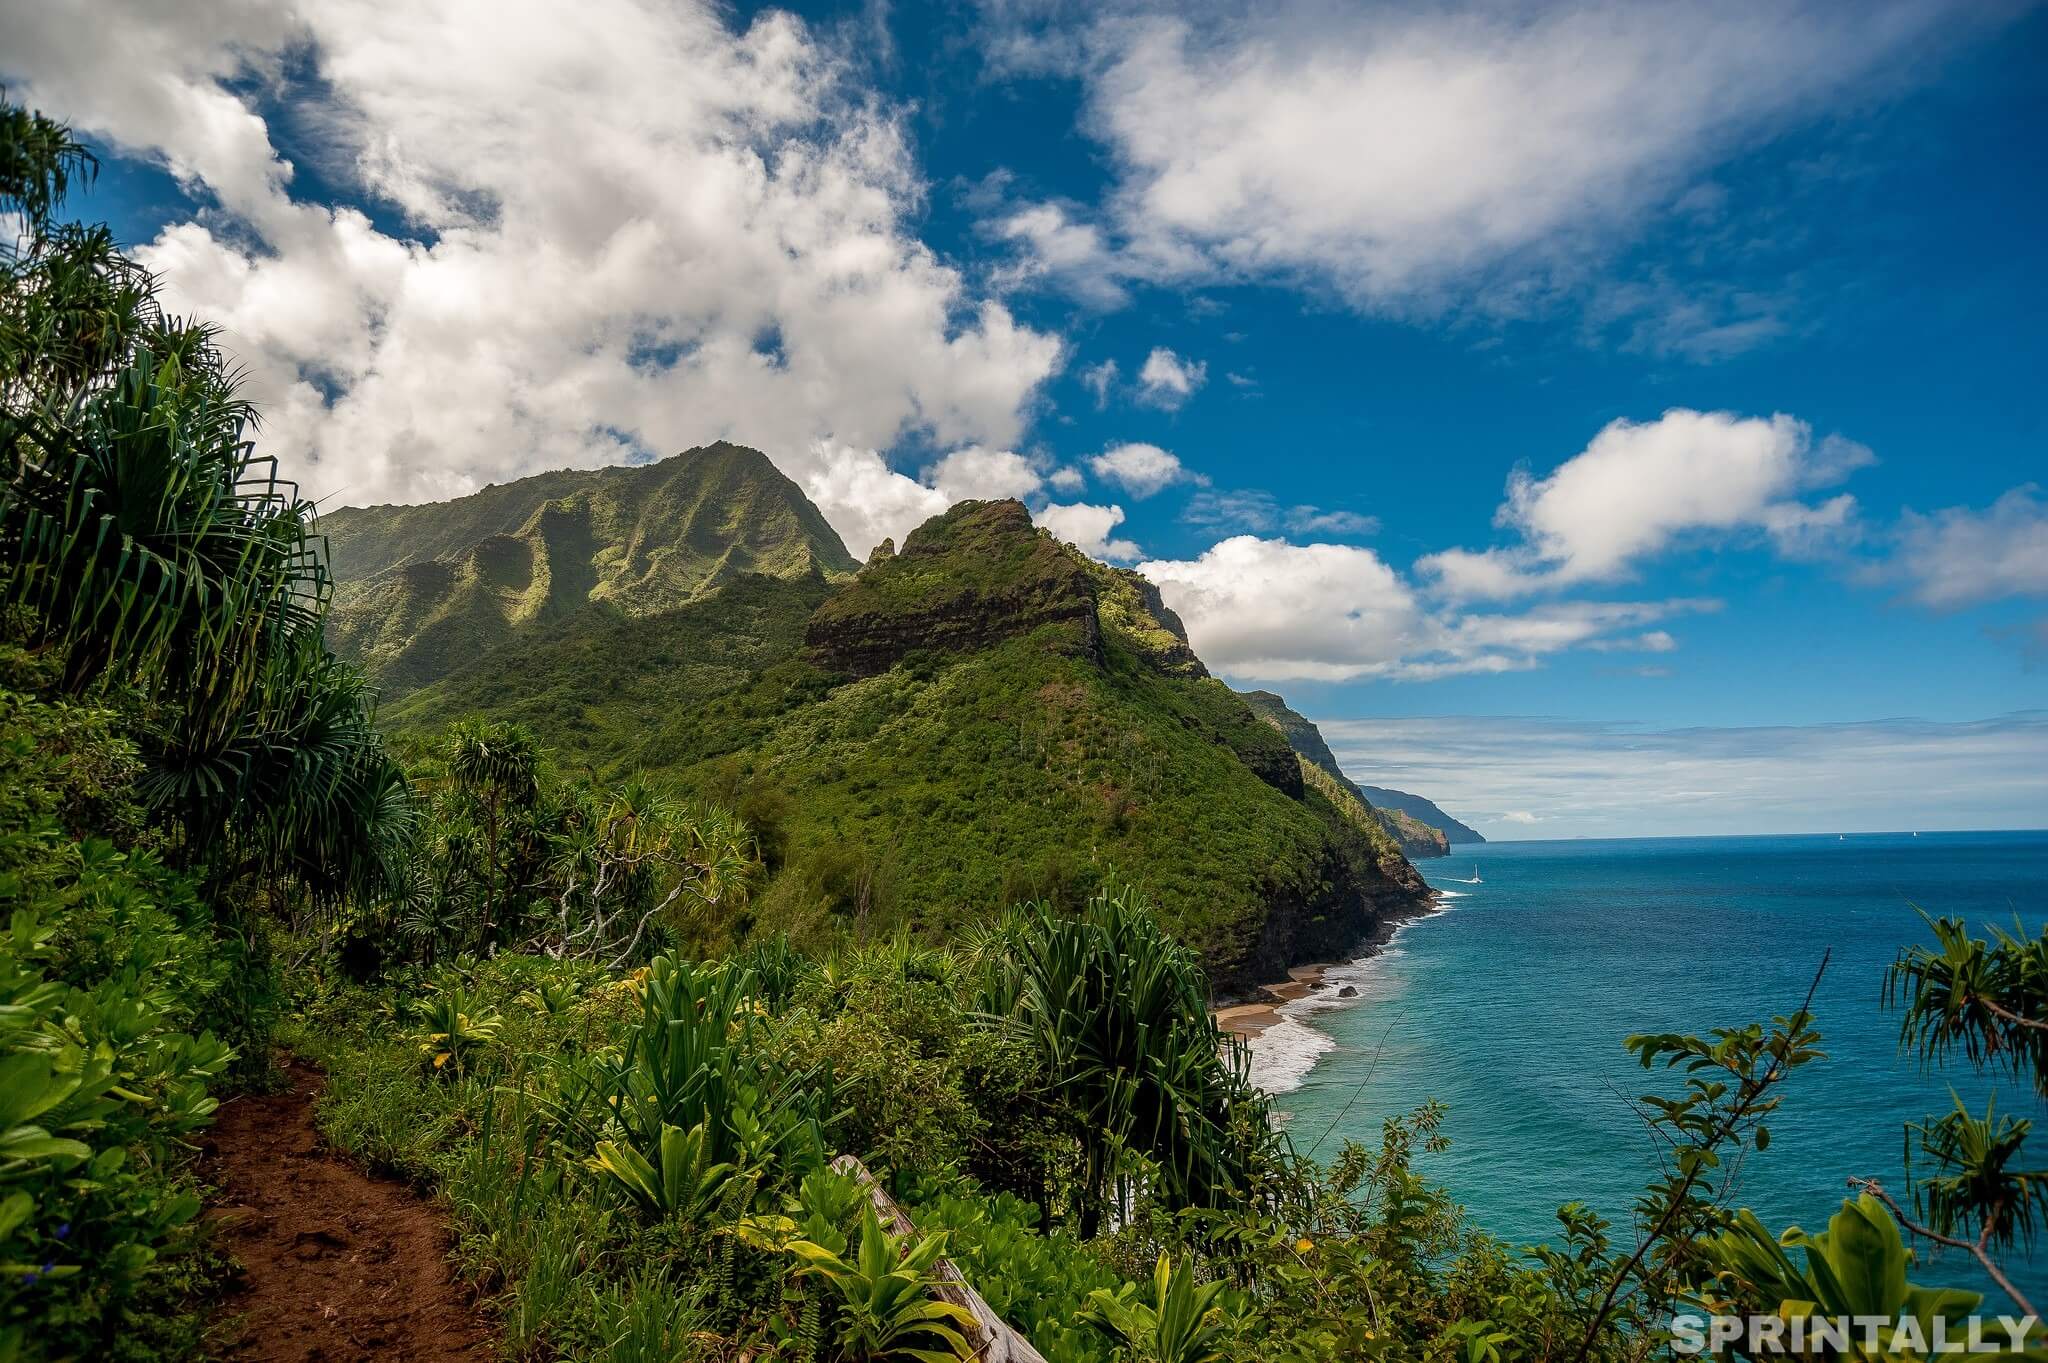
(1988,999)
(1118,1012)
(1180,1324)
(456,1027)
(885,1303)
(683,1185)
(1856,1267)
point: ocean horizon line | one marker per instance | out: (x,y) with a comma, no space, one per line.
(1713,837)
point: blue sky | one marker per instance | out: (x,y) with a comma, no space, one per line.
(1748,295)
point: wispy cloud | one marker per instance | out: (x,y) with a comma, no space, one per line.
(1259,512)
(1959,557)
(1583,779)
(1410,159)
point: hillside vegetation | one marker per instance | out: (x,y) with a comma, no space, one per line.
(425,589)
(1416,838)
(982,717)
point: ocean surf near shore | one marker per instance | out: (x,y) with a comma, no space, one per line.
(1284,1044)
(1513,1011)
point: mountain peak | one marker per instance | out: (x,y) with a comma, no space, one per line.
(972,576)
(420,587)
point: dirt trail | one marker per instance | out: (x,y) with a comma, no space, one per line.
(338,1266)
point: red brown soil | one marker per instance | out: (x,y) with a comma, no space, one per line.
(337,1266)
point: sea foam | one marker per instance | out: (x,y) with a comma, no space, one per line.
(1284,1054)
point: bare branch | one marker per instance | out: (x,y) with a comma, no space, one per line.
(1974,1248)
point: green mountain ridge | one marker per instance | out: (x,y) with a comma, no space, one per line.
(1418,836)
(1417,807)
(983,717)
(422,589)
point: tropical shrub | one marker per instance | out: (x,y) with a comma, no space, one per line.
(456,1025)
(883,1296)
(1117,1013)
(1180,1321)
(108,970)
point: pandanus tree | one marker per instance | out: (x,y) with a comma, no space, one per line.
(144,542)
(1118,1012)
(636,857)
(1972,1186)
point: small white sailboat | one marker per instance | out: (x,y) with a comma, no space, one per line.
(1475,880)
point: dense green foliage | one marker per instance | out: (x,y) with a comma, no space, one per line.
(599,683)
(982,718)
(1987,1000)
(122,999)
(1052,1103)
(178,755)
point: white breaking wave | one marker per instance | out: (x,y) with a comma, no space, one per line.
(1453,894)
(1283,1055)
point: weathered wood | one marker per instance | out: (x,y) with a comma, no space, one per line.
(991,1340)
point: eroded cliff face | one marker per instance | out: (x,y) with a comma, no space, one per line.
(1417,838)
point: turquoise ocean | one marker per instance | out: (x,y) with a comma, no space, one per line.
(1510,1005)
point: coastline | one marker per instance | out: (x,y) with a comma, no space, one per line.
(1251,1018)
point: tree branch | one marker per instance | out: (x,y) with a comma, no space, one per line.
(1751,1091)
(1974,1248)
(2010,1016)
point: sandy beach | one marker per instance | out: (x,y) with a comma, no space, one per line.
(1249,1018)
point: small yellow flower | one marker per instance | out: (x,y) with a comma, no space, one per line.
(1304,1245)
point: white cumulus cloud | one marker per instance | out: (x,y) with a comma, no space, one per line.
(612,231)
(1167,380)
(1089,528)
(865,499)
(982,474)
(1140,469)
(1268,609)
(1639,486)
